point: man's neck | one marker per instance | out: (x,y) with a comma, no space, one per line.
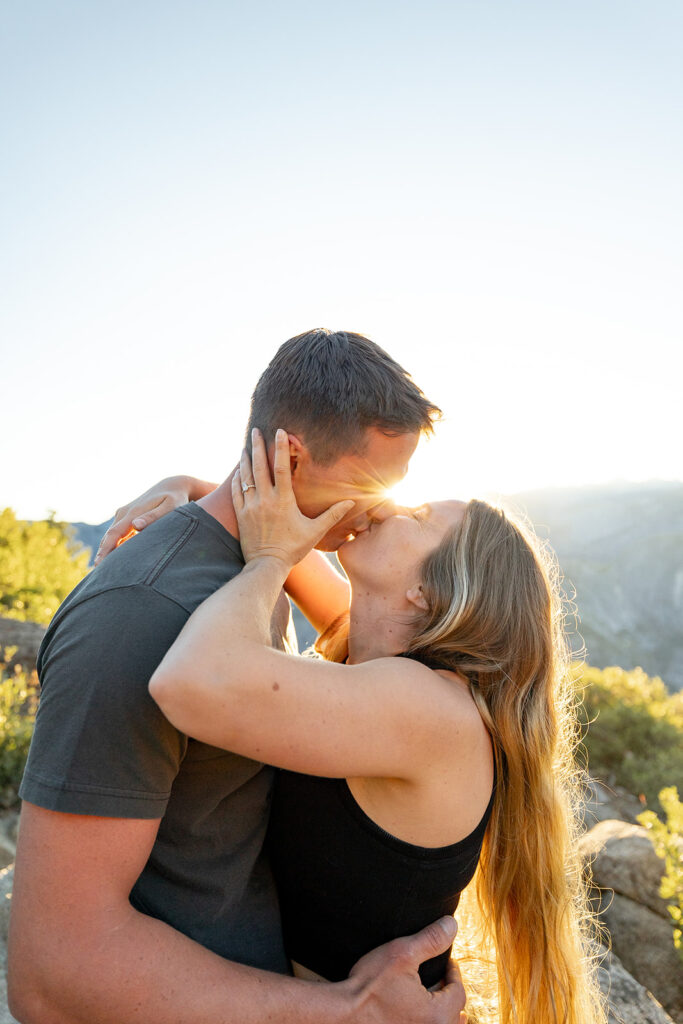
(219,505)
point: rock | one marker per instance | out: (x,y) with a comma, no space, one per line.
(603,802)
(6,880)
(26,636)
(643,941)
(12,826)
(621,857)
(629,1002)
(5,1016)
(9,826)
(627,873)
(7,853)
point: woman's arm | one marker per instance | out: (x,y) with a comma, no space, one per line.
(222,683)
(170,493)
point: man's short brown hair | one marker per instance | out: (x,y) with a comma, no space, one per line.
(329,387)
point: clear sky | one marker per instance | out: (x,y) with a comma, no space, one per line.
(490,190)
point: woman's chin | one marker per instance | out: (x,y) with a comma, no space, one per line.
(345,550)
(334,540)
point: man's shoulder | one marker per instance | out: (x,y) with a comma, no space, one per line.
(185,544)
(159,576)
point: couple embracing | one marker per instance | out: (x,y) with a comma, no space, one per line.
(218,831)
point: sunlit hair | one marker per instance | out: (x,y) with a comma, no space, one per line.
(495,615)
(330,387)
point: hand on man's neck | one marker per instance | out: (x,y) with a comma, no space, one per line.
(219,505)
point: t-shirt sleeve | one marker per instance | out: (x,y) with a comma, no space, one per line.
(101,745)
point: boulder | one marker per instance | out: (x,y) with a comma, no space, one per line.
(629,1001)
(5,1016)
(6,882)
(26,636)
(9,827)
(7,852)
(643,941)
(626,874)
(621,857)
(602,802)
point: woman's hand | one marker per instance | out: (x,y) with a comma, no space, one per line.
(170,493)
(268,516)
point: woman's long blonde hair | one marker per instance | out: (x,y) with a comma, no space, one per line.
(495,615)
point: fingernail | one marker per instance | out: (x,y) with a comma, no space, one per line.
(280,434)
(450,926)
(137,523)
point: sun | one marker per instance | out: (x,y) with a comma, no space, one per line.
(443,469)
(424,481)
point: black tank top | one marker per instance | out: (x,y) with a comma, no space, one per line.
(346,886)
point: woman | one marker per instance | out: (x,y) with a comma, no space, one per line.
(444,741)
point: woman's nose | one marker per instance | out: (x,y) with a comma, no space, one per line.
(384,510)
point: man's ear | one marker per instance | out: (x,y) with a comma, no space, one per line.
(416,597)
(297,451)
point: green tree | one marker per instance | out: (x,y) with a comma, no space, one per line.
(633,730)
(40,563)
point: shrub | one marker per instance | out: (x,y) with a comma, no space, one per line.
(633,730)
(18,703)
(667,838)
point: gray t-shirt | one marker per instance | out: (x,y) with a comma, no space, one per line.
(101,745)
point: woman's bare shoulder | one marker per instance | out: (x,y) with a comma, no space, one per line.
(439,707)
(445,791)
(446,690)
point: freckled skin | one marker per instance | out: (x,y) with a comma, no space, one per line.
(384,560)
(276,686)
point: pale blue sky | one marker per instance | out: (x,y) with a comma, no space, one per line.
(492,191)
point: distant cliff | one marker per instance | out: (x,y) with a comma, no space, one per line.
(621,548)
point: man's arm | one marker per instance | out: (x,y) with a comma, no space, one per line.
(320,592)
(79,953)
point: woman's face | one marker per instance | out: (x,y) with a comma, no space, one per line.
(386,557)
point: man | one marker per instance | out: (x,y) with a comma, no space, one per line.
(141,890)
